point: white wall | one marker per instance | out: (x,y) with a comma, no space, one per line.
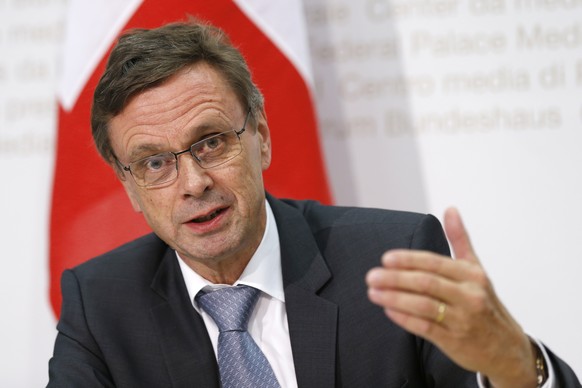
(30,34)
(423,104)
(473,103)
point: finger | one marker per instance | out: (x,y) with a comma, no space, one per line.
(458,236)
(415,305)
(425,328)
(417,282)
(432,263)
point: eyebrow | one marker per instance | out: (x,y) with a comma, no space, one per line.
(198,132)
(143,151)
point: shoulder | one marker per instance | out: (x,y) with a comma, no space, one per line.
(104,285)
(133,260)
(386,229)
(321,217)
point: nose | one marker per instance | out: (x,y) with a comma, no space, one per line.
(194,181)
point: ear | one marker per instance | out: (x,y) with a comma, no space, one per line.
(264,139)
(129,186)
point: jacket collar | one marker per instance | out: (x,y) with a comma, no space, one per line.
(185,345)
(312,319)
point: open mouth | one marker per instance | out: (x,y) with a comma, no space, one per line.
(208,217)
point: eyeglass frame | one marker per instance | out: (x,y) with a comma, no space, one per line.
(238,134)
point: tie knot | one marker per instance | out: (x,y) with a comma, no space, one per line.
(229,307)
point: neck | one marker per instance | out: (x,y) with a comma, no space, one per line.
(219,273)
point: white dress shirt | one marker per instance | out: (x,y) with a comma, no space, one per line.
(268,324)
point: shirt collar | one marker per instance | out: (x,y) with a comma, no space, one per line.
(258,273)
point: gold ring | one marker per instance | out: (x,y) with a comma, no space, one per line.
(441,312)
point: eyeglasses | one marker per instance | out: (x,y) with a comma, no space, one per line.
(210,152)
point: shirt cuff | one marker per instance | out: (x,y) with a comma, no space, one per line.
(482,380)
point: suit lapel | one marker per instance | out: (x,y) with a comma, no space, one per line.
(312,319)
(185,344)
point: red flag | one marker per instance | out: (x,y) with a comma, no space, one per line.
(90,212)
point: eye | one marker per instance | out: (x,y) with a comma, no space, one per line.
(213,142)
(155,163)
(213,145)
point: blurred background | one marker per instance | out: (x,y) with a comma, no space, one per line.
(421,104)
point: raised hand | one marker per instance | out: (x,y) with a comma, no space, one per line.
(452,304)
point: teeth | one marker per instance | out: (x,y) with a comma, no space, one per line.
(206,218)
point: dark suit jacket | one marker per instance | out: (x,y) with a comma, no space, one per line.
(127,321)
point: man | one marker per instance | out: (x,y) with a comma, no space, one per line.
(179,119)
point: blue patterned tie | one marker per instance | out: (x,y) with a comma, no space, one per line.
(240,361)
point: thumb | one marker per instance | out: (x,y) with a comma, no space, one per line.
(458,236)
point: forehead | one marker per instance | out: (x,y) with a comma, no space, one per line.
(157,116)
(191,86)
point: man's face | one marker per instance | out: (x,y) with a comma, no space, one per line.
(212,217)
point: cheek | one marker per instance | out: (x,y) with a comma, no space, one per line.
(253,176)
(241,180)
(245,181)
(156,209)
(258,161)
